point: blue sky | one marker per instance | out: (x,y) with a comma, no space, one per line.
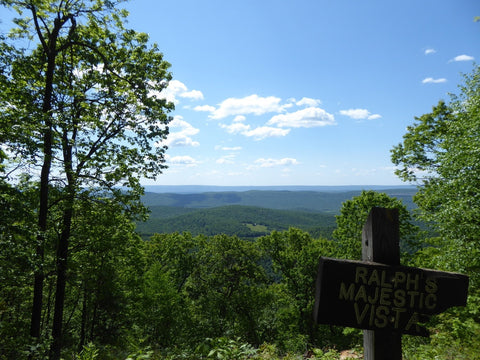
(304,92)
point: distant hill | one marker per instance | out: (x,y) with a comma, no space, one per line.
(251,213)
(318,201)
(195,189)
(243,221)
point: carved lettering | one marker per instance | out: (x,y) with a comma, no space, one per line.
(382,319)
(346,294)
(360,316)
(431,286)
(361,294)
(385,296)
(399,298)
(431,301)
(361,273)
(376,296)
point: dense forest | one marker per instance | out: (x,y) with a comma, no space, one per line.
(79,114)
(246,222)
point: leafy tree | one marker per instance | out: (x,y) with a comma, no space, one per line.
(441,151)
(85,104)
(162,312)
(227,288)
(105,253)
(295,255)
(354,214)
(16,263)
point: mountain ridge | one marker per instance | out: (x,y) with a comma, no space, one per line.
(181,189)
(328,202)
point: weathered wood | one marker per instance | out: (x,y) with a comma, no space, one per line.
(375,296)
(379,295)
(381,243)
(381,237)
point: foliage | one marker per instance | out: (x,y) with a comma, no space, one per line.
(230,349)
(81,114)
(246,222)
(353,216)
(442,151)
(89,352)
(83,119)
(294,255)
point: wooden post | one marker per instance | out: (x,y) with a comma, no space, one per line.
(380,243)
(379,295)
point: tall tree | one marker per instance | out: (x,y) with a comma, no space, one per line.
(294,255)
(227,287)
(353,215)
(441,151)
(89,101)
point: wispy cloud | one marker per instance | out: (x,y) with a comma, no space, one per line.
(233,148)
(236,127)
(307,118)
(176,89)
(264,132)
(181,160)
(206,108)
(430,51)
(252,104)
(226,159)
(360,114)
(430,80)
(308,102)
(259,133)
(192,94)
(276,162)
(183,137)
(463,58)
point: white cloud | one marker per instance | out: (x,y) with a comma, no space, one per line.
(239,118)
(276,162)
(227,159)
(264,132)
(308,102)
(360,114)
(193,94)
(430,51)
(430,80)
(177,89)
(182,160)
(206,108)
(235,128)
(309,117)
(182,137)
(463,58)
(252,104)
(258,133)
(234,148)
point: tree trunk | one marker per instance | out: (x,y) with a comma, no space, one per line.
(43,210)
(62,256)
(62,250)
(84,319)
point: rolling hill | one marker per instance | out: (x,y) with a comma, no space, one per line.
(250,213)
(319,201)
(243,221)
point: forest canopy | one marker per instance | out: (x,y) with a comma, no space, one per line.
(83,120)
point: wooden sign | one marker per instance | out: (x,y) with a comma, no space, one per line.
(375,296)
(380,296)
